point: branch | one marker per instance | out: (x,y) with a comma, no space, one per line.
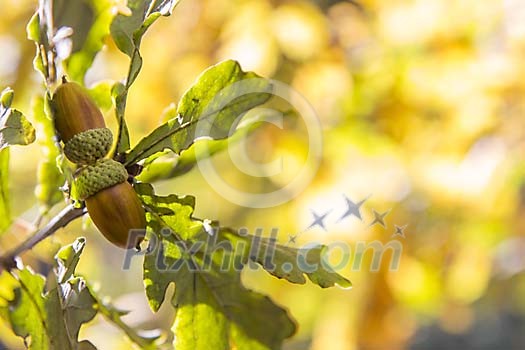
(63,218)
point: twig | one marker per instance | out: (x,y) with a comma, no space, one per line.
(63,218)
(113,315)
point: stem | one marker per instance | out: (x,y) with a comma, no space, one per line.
(63,218)
(113,316)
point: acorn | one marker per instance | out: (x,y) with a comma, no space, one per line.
(80,124)
(110,200)
(75,111)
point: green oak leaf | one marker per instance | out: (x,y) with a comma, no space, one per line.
(70,305)
(27,314)
(119,94)
(77,303)
(166,165)
(211,303)
(101,94)
(176,211)
(215,311)
(71,32)
(49,175)
(88,34)
(67,259)
(283,261)
(69,302)
(211,108)
(36,31)
(127,32)
(50,318)
(15,129)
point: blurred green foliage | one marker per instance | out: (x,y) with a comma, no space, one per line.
(421,103)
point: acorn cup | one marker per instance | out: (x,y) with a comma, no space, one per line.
(111,201)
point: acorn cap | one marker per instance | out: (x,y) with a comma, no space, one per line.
(74,111)
(89,146)
(94,178)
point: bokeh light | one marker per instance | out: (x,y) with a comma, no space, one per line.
(422,108)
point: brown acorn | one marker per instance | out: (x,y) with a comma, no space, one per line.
(111,201)
(75,111)
(115,211)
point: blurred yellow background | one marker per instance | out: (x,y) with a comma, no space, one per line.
(422,107)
